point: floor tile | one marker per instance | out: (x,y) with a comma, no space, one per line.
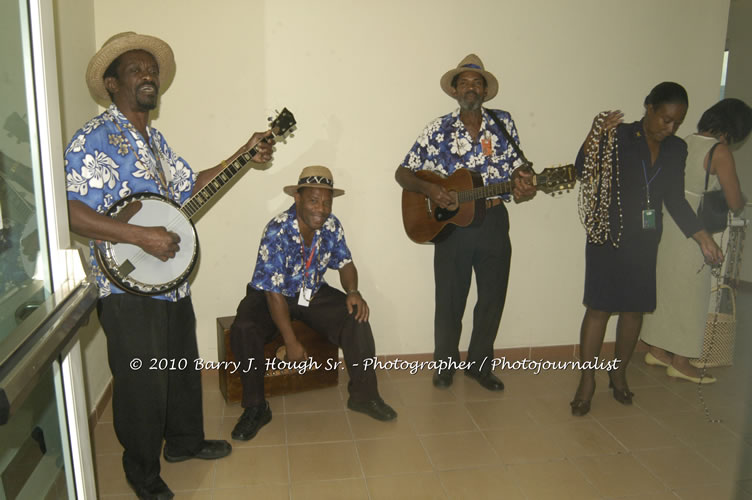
(316,427)
(105,440)
(461,450)
(327,399)
(342,489)
(248,466)
(324,461)
(191,474)
(423,486)
(716,491)
(438,419)
(618,475)
(583,438)
(420,391)
(553,480)
(500,413)
(639,432)
(110,476)
(481,484)
(381,457)
(466,442)
(520,445)
(679,467)
(265,491)
(692,428)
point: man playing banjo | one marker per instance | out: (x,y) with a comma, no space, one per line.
(114,155)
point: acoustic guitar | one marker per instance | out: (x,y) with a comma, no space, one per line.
(425,222)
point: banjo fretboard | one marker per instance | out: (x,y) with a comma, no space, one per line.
(280,125)
(214,186)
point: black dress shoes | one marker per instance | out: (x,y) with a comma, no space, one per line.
(252,419)
(442,379)
(375,408)
(154,490)
(210,450)
(489,380)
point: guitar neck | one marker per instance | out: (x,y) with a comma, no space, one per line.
(214,186)
(485,191)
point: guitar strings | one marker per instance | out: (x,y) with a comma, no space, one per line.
(596,192)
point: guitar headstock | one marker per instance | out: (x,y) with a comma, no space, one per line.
(283,123)
(555,180)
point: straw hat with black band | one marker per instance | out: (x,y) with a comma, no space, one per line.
(120,44)
(470,63)
(314,176)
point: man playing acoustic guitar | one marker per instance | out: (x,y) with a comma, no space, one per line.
(469,138)
(114,155)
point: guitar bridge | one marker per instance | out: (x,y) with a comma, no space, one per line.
(428,206)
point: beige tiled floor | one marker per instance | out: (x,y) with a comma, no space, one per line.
(466,442)
(469,443)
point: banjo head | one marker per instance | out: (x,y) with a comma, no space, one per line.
(137,271)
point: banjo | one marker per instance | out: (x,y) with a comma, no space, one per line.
(138,272)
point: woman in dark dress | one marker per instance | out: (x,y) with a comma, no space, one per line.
(647,172)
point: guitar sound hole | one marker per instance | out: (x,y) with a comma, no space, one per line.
(443,214)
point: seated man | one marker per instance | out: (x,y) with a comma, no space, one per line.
(288,283)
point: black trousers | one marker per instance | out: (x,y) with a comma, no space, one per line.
(148,404)
(487,250)
(327,314)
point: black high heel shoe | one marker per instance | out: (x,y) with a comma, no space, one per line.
(581,407)
(623,396)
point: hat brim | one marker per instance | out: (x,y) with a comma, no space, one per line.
(120,44)
(492,84)
(291,190)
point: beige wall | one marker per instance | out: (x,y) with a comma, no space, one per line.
(74,21)
(362,81)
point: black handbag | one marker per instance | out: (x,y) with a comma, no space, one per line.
(713,209)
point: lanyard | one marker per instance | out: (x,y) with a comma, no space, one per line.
(307,263)
(647,182)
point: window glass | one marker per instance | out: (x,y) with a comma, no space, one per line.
(24,262)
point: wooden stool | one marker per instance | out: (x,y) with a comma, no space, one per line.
(277,382)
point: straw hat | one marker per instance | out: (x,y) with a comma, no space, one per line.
(471,63)
(314,176)
(120,44)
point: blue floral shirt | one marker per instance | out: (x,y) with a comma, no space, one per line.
(107,160)
(445,145)
(282,255)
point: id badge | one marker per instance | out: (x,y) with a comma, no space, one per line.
(304,299)
(648,218)
(486,145)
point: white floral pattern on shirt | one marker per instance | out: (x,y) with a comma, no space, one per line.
(101,169)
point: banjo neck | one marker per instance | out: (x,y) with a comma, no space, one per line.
(136,271)
(214,186)
(279,126)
